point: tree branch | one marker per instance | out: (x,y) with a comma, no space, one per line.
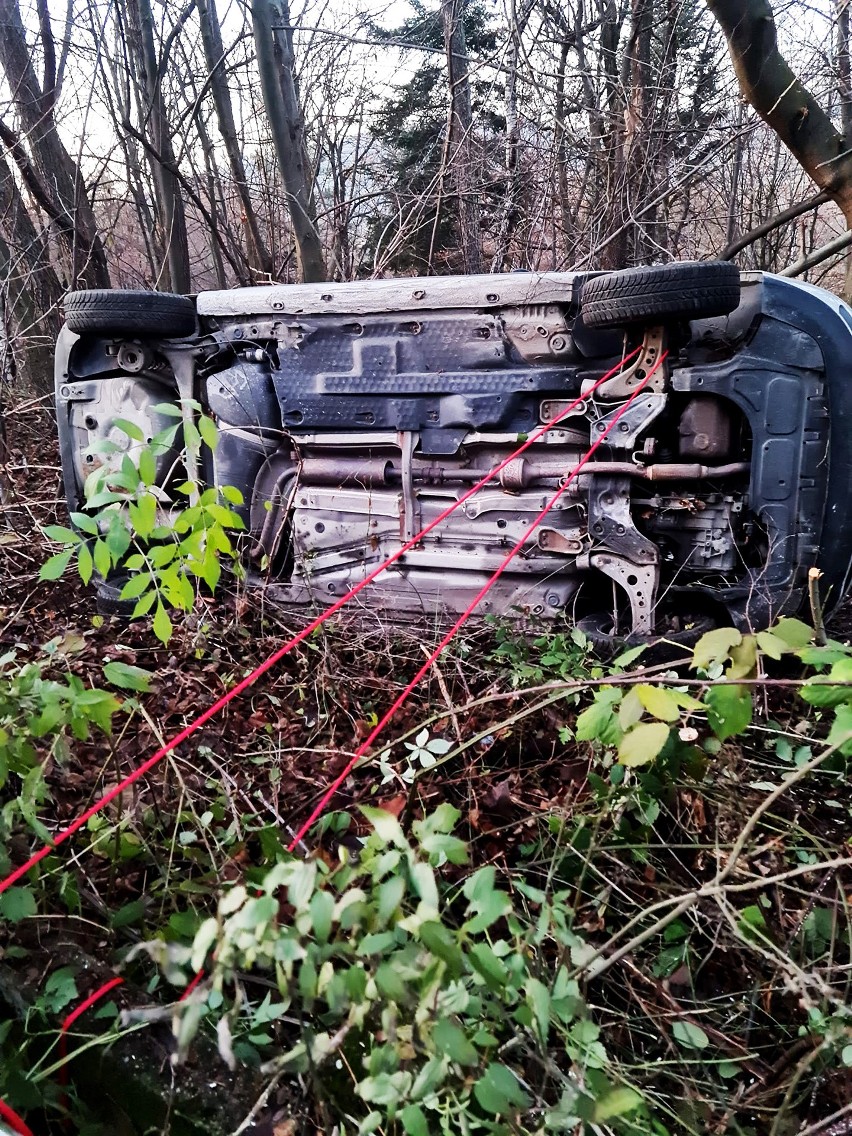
(761,230)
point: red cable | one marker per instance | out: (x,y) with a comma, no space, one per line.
(191,985)
(362,749)
(220,703)
(14,1121)
(87,1003)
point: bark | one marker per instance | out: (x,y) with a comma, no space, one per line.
(55,170)
(639,117)
(31,291)
(610,173)
(510,210)
(278,84)
(844,66)
(782,100)
(172,216)
(461,151)
(214,56)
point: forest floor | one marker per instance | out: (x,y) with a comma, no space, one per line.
(730,1019)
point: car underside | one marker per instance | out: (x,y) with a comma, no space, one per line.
(351,416)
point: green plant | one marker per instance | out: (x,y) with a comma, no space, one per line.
(429,999)
(131,524)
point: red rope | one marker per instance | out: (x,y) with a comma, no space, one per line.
(87,1003)
(10,1117)
(365,745)
(220,703)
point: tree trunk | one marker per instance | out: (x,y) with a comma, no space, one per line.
(31,292)
(782,100)
(510,209)
(461,153)
(214,56)
(278,84)
(155,124)
(58,174)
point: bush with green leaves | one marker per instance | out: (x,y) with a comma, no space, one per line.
(430,1000)
(165,530)
(43,707)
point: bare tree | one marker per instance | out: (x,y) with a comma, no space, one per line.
(155,125)
(460,154)
(275,61)
(52,175)
(215,56)
(784,102)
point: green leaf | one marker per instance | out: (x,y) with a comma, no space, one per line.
(129,428)
(103,560)
(617,1102)
(53,568)
(135,586)
(128,677)
(486,963)
(793,632)
(61,535)
(17,903)
(497,1091)
(643,743)
(771,645)
(414,1120)
(450,1039)
(841,729)
(598,722)
(486,903)
(60,990)
(690,1035)
(728,710)
(658,701)
(168,408)
(386,826)
(85,563)
(86,523)
(147,466)
(133,912)
(322,913)
(822,692)
(538,999)
(208,431)
(162,625)
(441,941)
(743,658)
(715,646)
(232,494)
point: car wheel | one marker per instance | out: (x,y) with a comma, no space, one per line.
(108,598)
(128,312)
(661,293)
(674,632)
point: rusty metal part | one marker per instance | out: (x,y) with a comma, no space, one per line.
(705,429)
(134,358)
(624,384)
(555,540)
(631,423)
(611,522)
(538,333)
(639,582)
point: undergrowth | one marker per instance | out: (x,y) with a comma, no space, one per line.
(567,896)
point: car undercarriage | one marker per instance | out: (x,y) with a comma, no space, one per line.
(351,416)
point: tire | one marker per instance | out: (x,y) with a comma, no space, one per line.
(661,294)
(126,312)
(667,643)
(108,598)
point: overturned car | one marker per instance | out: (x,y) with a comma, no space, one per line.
(351,416)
